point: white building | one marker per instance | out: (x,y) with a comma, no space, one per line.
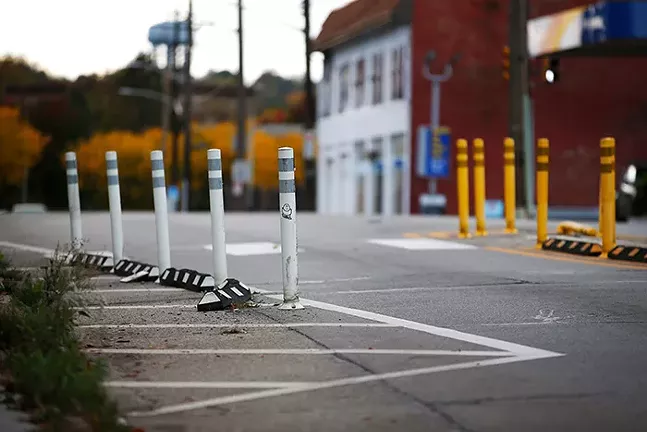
(363,126)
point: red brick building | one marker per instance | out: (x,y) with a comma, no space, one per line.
(594,97)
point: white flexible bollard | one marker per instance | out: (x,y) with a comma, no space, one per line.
(114,202)
(217,206)
(287,208)
(161,211)
(74,201)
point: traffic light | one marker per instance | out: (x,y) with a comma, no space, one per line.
(506,62)
(551,70)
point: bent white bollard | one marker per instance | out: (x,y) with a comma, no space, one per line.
(114,202)
(73,201)
(161,211)
(217,206)
(287,209)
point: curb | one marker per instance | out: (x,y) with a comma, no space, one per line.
(629,253)
(574,247)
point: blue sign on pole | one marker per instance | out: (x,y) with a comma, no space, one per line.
(433,152)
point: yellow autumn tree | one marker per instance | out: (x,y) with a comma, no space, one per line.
(20,146)
(265,149)
(133,153)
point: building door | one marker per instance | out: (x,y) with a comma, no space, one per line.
(400,172)
(343,187)
(330,185)
(360,178)
(377,172)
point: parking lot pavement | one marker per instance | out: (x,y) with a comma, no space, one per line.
(174,366)
(429,297)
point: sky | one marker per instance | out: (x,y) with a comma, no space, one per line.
(79,37)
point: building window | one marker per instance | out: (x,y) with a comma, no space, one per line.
(326,91)
(360,83)
(397,73)
(343,87)
(378,64)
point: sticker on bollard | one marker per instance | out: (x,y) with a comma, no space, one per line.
(188,279)
(230,292)
(629,253)
(574,247)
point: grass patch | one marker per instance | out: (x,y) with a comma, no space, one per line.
(46,370)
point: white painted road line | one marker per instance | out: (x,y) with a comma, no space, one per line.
(251,249)
(207,384)
(157,306)
(136,290)
(422,244)
(437,331)
(170,409)
(319,282)
(297,351)
(27,248)
(240,325)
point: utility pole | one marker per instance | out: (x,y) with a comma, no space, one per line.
(520,115)
(186,181)
(309,89)
(169,107)
(241,143)
(310,167)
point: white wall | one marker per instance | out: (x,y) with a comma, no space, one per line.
(338,132)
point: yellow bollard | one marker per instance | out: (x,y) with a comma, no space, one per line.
(462,184)
(542,191)
(509,199)
(479,186)
(600,208)
(608,194)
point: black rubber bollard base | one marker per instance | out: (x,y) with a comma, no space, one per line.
(230,292)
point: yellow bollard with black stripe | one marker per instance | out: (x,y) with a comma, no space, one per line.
(509,198)
(478,155)
(542,191)
(462,186)
(608,195)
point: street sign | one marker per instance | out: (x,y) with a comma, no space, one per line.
(240,171)
(433,152)
(173,197)
(308,145)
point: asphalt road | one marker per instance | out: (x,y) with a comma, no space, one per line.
(401,331)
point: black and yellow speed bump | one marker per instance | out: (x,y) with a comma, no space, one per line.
(629,253)
(572,246)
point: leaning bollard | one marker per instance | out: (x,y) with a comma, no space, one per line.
(287,207)
(161,211)
(608,194)
(74,201)
(509,191)
(217,206)
(114,202)
(542,191)
(479,186)
(462,184)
